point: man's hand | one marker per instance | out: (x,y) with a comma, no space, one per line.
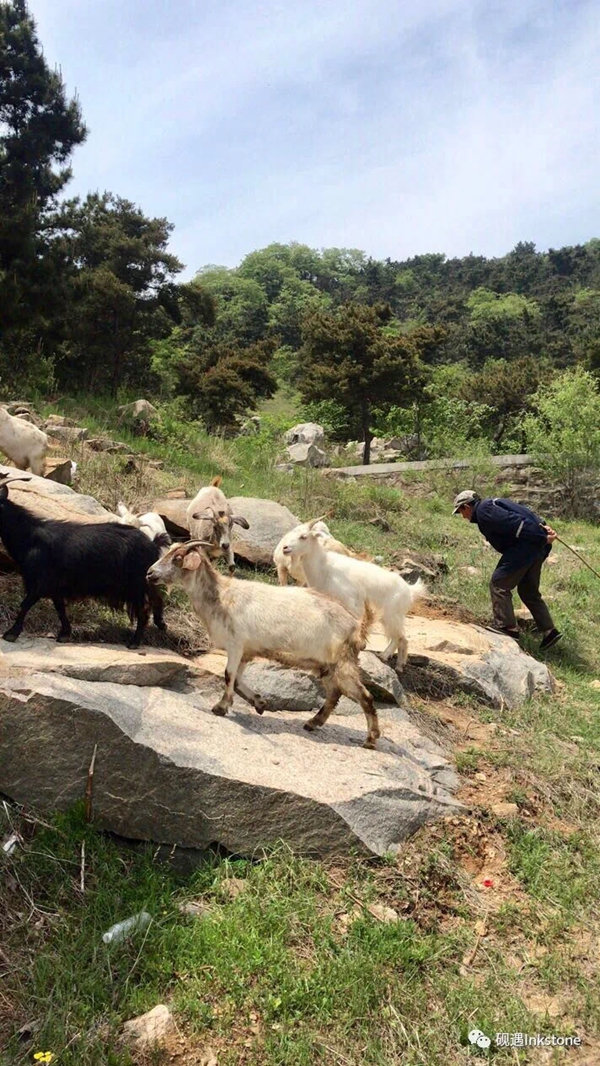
(551,534)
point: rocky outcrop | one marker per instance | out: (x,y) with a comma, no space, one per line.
(448,657)
(169,771)
(94,662)
(67,434)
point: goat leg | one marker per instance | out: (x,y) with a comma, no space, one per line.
(143,614)
(64,633)
(246,693)
(16,629)
(156,602)
(233,663)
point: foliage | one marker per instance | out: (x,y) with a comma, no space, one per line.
(223,381)
(347,357)
(39,127)
(564,434)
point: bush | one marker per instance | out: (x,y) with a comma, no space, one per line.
(564,436)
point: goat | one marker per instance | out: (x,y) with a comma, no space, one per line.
(73,561)
(149,523)
(290,565)
(356,584)
(23,443)
(211,520)
(294,626)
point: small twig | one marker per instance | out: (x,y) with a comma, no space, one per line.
(82,872)
(89,788)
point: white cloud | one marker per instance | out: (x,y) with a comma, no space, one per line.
(453,125)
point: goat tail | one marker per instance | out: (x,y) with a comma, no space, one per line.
(366,622)
(216,481)
(418,591)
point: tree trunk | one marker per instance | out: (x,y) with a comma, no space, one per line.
(367,435)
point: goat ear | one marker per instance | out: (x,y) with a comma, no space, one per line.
(191,561)
(204,515)
(239,521)
(216,481)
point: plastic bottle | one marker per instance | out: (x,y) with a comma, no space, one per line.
(130,925)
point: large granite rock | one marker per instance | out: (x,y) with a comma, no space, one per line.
(307,455)
(67,434)
(447,657)
(169,771)
(139,416)
(94,662)
(51,499)
(305,433)
(269,522)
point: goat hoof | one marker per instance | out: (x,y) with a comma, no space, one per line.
(133,645)
(370,744)
(63,638)
(10,636)
(310,728)
(161,625)
(219,710)
(260,706)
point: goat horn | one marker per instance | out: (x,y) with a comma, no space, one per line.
(315,520)
(197,544)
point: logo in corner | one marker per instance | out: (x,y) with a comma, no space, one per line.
(479,1038)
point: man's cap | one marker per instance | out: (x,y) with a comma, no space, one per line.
(468,496)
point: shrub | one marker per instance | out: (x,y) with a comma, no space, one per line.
(564,436)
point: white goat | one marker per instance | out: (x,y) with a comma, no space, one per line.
(150,523)
(24,444)
(294,626)
(290,565)
(210,519)
(358,584)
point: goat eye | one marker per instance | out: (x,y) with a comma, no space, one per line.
(304,536)
(178,561)
(221,514)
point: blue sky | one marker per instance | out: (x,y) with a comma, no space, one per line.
(392,126)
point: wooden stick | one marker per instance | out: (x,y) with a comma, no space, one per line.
(89,788)
(82,871)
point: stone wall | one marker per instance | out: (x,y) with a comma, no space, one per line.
(516,476)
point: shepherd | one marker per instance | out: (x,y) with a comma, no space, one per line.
(524,543)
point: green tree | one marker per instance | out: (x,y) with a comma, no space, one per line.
(222,382)
(506,390)
(348,357)
(564,435)
(39,128)
(122,293)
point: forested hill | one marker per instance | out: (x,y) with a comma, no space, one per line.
(522,304)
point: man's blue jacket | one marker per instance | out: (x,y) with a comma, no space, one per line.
(513,530)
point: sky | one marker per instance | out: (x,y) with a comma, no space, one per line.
(398,128)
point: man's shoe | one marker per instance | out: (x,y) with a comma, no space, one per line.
(504,631)
(551,638)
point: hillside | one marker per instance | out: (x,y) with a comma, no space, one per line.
(486,920)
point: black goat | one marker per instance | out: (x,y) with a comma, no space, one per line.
(72,560)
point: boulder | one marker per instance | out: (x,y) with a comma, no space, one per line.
(67,434)
(269,522)
(412,566)
(169,771)
(447,657)
(58,420)
(58,469)
(305,433)
(173,512)
(307,455)
(95,662)
(149,1029)
(103,444)
(380,679)
(139,416)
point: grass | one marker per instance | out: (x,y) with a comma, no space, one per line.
(289,961)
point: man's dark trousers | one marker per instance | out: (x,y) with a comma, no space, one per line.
(527,583)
